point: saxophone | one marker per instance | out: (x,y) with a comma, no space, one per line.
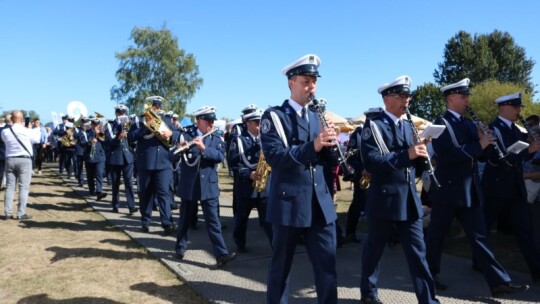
(263,170)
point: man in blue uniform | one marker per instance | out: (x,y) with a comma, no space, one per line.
(457,151)
(199,182)
(236,130)
(94,145)
(120,158)
(60,131)
(504,186)
(154,167)
(79,149)
(300,204)
(245,153)
(392,203)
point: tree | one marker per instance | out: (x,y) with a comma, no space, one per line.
(156,66)
(482,100)
(427,101)
(484,57)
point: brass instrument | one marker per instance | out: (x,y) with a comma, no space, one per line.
(191,143)
(156,125)
(427,160)
(365,182)
(263,170)
(68,140)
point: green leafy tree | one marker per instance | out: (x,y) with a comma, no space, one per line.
(482,100)
(427,101)
(156,66)
(484,57)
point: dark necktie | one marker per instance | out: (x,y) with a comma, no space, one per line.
(304,115)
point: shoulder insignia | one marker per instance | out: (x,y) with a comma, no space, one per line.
(265,125)
(366,134)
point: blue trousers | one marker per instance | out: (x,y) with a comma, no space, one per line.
(213,225)
(155,183)
(411,235)
(116,172)
(474,226)
(320,242)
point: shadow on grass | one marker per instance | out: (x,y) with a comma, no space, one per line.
(88,252)
(58,206)
(43,298)
(121,243)
(76,226)
(173,294)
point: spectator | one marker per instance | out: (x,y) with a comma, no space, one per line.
(18,141)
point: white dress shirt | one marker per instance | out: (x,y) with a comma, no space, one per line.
(27,136)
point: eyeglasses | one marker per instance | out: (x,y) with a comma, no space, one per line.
(401,96)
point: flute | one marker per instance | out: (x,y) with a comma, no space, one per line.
(191,143)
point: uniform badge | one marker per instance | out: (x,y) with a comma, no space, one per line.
(265,125)
(249,157)
(189,155)
(233,145)
(366,134)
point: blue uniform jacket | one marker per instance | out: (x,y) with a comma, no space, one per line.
(499,180)
(297,170)
(151,153)
(86,142)
(119,150)
(392,175)
(201,168)
(77,134)
(243,166)
(457,166)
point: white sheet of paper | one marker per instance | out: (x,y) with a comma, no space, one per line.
(517,147)
(432,131)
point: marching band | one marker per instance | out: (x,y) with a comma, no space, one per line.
(277,158)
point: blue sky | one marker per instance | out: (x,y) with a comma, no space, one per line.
(53,52)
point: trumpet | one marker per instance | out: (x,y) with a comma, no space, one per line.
(100,135)
(190,144)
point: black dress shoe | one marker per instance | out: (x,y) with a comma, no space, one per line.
(145,229)
(507,288)
(169,230)
(100,196)
(438,284)
(224,259)
(371,300)
(179,256)
(133,210)
(115,209)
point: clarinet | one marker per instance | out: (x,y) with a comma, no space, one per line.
(335,151)
(533,134)
(427,160)
(485,131)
